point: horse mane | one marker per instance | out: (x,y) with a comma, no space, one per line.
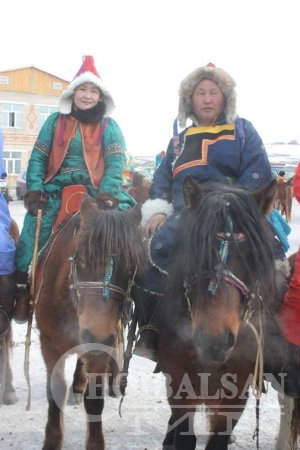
(112,233)
(196,237)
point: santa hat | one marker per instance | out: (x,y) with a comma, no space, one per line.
(86,74)
(188,84)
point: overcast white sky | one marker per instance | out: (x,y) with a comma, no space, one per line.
(143,49)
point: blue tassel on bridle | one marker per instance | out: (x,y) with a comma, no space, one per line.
(223,252)
(107,278)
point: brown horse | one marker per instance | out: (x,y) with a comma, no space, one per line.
(217,311)
(81,289)
(284,198)
(8,286)
(139,188)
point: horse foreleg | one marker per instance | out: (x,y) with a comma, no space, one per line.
(94,404)
(180,434)
(77,389)
(8,391)
(116,363)
(222,422)
(97,368)
(56,393)
(168,443)
(285,439)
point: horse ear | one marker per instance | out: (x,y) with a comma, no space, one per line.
(191,190)
(266,196)
(87,209)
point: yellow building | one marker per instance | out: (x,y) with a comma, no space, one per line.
(28,96)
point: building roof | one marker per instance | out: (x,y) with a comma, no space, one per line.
(36,68)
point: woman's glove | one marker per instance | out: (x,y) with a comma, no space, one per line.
(35,200)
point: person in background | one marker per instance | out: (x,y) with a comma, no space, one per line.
(281,176)
(289,314)
(128,170)
(79,145)
(159,158)
(3,174)
(7,259)
(281,230)
(217,146)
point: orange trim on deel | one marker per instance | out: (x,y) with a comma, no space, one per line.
(205,145)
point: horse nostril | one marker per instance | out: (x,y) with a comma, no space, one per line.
(87,336)
(214,348)
(229,338)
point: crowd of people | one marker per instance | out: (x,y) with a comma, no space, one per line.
(83,146)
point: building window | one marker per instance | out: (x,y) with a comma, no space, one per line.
(3,80)
(12,115)
(57,86)
(45,112)
(12,162)
(11,119)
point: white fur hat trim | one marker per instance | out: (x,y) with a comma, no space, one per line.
(225,82)
(66,99)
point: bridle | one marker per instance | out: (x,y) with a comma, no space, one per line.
(104,288)
(222,273)
(251,299)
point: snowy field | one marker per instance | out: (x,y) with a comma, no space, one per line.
(144,413)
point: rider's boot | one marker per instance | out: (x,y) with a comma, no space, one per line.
(146,304)
(22,307)
(7,301)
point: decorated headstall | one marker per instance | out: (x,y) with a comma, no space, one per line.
(222,273)
(104,288)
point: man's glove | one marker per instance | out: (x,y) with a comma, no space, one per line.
(35,200)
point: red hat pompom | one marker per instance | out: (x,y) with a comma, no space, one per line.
(88,65)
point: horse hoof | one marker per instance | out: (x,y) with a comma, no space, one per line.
(9,398)
(74,398)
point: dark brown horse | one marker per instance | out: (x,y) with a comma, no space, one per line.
(217,311)
(81,292)
(8,286)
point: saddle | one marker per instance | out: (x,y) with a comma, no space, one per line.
(70,203)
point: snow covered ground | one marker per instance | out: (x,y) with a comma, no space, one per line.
(144,412)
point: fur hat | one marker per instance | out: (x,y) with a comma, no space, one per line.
(86,74)
(188,84)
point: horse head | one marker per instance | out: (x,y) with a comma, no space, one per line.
(224,245)
(109,252)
